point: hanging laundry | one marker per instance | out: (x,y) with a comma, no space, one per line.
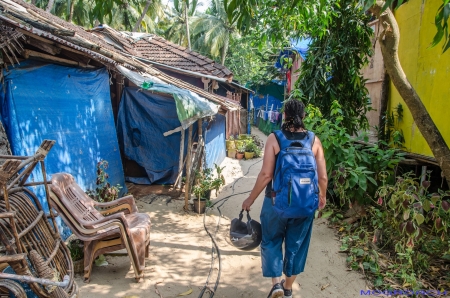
(274,117)
(279,118)
(260,114)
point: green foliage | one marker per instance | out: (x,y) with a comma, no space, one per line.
(353,168)
(175,28)
(332,70)
(250,62)
(206,181)
(411,204)
(212,31)
(240,147)
(408,223)
(121,15)
(390,130)
(251,147)
(277,20)
(281,19)
(104,192)
(76,248)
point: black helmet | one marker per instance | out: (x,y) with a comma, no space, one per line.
(245,236)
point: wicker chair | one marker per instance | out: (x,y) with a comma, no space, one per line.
(104,227)
(32,247)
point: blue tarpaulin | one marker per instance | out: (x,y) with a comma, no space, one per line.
(299,46)
(143,119)
(69,105)
(215,141)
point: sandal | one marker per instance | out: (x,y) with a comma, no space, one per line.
(287,293)
(276,291)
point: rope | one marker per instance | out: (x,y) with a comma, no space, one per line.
(215,247)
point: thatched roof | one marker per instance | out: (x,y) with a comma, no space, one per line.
(58,34)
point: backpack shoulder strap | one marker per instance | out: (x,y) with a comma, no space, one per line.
(283,142)
(308,141)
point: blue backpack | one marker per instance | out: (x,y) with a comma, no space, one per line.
(295,191)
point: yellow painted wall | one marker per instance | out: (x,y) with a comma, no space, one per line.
(428,70)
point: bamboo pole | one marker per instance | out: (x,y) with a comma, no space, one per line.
(187,186)
(42,281)
(181,164)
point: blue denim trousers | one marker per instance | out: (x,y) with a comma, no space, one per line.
(296,235)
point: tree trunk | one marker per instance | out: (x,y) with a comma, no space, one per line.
(144,12)
(72,6)
(389,40)
(33,2)
(50,5)
(186,17)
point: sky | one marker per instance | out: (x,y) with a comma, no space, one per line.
(201,6)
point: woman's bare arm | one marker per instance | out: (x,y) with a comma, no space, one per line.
(321,171)
(266,173)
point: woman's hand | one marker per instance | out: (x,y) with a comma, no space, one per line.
(247,204)
(322,201)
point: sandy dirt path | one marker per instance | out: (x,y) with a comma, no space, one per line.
(180,257)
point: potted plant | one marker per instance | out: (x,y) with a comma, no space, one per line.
(250,149)
(76,248)
(205,182)
(230,143)
(231,147)
(240,152)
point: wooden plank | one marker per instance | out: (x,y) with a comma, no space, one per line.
(187,189)
(82,59)
(179,128)
(48,48)
(29,53)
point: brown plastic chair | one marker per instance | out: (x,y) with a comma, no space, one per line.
(104,227)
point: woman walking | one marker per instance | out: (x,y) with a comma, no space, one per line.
(294,232)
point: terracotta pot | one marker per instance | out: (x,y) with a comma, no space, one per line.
(239,155)
(199,206)
(232,153)
(249,155)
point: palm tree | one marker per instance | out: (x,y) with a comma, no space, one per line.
(76,11)
(212,31)
(176,28)
(151,13)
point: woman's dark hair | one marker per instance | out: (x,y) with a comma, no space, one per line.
(294,111)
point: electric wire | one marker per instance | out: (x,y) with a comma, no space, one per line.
(215,247)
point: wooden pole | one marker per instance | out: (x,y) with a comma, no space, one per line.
(181,164)
(187,190)
(200,141)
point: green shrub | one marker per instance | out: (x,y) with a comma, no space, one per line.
(353,168)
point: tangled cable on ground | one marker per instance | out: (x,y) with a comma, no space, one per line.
(215,247)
